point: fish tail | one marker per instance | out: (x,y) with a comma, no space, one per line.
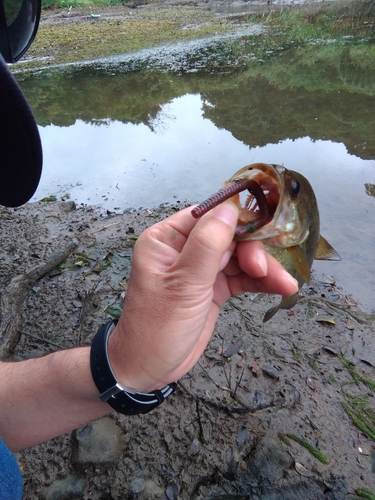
(286,303)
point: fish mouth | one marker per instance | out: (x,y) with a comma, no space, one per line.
(258,191)
(260,210)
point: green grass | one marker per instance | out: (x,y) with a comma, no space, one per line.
(357,377)
(365,494)
(361,413)
(314,451)
(64,4)
(90,35)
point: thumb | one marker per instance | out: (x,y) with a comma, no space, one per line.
(208,242)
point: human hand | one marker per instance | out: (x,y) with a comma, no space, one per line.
(183,271)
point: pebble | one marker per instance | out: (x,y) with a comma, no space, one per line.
(270,371)
(69,488)
(243,437)
(100,442)
(172,491)
(137,485)
(269,461)
(67,206)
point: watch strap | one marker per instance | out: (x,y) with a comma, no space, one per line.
(120,398)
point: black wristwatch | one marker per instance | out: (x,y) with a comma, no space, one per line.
(122,399)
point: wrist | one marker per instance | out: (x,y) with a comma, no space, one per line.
(125,363)
(121,398)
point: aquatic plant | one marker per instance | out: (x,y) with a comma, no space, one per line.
(361,413)
(314,451)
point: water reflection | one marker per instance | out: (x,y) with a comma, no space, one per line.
(186,156)
(140,139)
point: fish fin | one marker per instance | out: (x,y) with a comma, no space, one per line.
(300,262)
(325,251)
(286,303)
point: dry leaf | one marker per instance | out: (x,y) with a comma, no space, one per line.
(350,301)
(333,349)
(232,349)
(97,267)
(350,324)
(301,469)
(327,320)
(123,284)
(294,311)
(330,280)
(254,367)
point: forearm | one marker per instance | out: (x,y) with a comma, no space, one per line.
(44,397)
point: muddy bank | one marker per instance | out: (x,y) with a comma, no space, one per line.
(230,430)
(88,33)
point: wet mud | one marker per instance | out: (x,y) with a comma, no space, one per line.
(231,430)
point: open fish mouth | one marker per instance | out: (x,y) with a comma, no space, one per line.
(258,191)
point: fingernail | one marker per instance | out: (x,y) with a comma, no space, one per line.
(288,277)
(262,261)
(227,212)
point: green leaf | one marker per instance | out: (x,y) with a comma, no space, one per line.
(114,311)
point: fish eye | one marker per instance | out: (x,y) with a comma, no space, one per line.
(294,188)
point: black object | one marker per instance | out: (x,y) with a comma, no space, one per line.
(19,21)
(121,399)
(20,146)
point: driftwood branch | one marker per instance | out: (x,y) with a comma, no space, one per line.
(240,406)
(14,294)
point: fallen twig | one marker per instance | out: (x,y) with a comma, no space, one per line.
(360,316)
(14,294)
(39,339)
(236,405)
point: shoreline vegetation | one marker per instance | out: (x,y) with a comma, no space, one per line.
(84,31)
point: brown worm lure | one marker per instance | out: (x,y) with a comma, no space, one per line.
(236,187)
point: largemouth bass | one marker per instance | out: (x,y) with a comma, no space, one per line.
(282,211)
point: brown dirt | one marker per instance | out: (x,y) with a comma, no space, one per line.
(254,381)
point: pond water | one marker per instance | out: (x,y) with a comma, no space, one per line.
(126,139)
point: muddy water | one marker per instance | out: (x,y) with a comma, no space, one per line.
(125,138)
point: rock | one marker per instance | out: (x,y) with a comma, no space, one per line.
(231,497)
(270,371)
(137,485)
(243,437)
(194,447)
(172,491)
(151,492)
(99,442)
(230,471)
(69,488)
(67,206)
(308,490)
(269,461)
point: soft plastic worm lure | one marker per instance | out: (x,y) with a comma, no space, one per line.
(236,187)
